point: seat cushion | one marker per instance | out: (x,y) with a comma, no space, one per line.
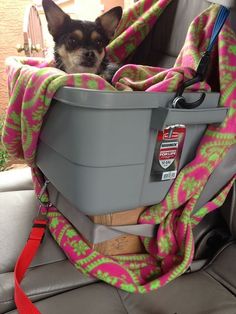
(42,282)
(223,268)
(16,180)
(96,298)
(196,293)
(210,291)
(17,211)
(166,39)
(203,292)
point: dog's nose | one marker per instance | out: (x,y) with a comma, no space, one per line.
(89,54)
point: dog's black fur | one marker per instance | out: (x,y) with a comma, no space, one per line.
(80,45)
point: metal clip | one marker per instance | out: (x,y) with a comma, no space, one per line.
(43,205)
(42,192)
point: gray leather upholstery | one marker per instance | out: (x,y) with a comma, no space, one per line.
(165,41)
(197,293)
(223,268)
(22,180)
(42,282)
(18,207)
(229,212)
(210,291)
(97,298)
(17,213)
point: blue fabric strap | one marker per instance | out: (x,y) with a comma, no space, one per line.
(205,60)
(220,21)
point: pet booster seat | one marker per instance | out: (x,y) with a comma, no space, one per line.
(103,149)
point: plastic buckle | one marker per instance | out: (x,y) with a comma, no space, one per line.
(39,223)
(41,220)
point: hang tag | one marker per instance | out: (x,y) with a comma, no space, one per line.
(167,153)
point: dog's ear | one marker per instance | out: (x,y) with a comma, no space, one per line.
(56,18)
(110,20)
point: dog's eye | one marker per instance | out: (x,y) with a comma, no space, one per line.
(99,43)
(72,42)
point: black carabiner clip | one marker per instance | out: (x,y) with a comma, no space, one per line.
(179,101)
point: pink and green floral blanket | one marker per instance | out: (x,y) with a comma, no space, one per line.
(32,84)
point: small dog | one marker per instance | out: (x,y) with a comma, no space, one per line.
(80,45)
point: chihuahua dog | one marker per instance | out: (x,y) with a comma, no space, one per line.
(80,45)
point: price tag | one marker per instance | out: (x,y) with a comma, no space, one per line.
(167,153)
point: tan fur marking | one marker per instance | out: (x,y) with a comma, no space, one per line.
(65,57)
(62,51)
(95,36)
(79,34)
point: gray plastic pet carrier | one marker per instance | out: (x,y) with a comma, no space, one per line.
(98,148)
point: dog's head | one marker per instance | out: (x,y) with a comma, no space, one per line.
(80,45)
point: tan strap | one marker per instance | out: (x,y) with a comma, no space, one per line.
(95,233)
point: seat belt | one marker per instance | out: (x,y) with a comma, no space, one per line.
(23,303)
(36,236)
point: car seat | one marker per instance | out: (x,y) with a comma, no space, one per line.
(62,289)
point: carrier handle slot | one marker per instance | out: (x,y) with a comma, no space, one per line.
(162,117)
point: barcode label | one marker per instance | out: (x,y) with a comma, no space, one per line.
(170,175)
(170,145)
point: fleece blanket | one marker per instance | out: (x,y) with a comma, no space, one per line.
(32,84)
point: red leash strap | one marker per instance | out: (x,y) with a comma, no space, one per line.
(23,303)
